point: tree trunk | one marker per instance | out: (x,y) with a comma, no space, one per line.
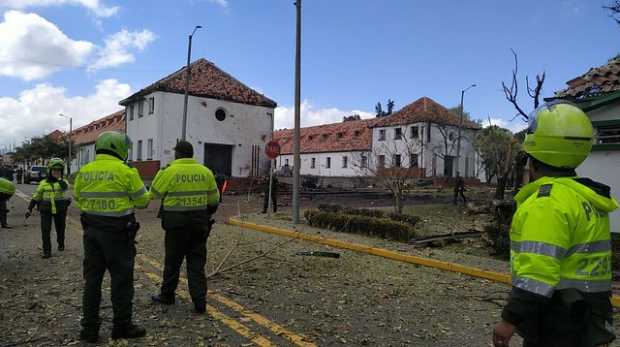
(500,190)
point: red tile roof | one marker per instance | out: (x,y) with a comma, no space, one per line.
(599,80)
(88,133)
(336,137)
(207,80)
(57,136)
(424,110)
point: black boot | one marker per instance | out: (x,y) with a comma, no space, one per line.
(200,308)
(127,331)
(162,299)
(46,255)
(90,335)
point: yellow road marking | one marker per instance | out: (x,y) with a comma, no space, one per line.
(279,330)
(231,323)
(437,264)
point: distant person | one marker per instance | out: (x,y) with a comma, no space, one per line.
(561,242)
(459,188)
(274,194)
(190,197)
(7,189)
(52,200)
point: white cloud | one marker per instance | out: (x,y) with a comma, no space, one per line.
(117,48)
(35,111)
(32,47)
(95,6)
(223,3)
(284,116)
(515,125)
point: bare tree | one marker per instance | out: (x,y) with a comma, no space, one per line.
(614,9)
(512,93)
(393,176)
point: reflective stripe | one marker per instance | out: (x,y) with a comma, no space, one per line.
(185,208)
(538,247)
(138,193)
(590,247)
(155,192)
(533,286)
(588,286)
(103,194)
(188,193)
(110,214)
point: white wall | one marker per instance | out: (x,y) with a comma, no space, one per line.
(353,168)
(426,150)
(244,126)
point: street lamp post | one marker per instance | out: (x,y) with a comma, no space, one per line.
(458,143)
(70,142)
(187,77)
(296,132)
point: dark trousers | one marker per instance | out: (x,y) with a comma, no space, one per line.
(274,202)
(3,211)
(458,192)
(189,243)
(113,251)
(59,220)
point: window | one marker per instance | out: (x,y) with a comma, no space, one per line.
(131,108)
(220,114)
(286,162)
(607,134)
(381,161)
(149,150)
(364,162)
(357,133)
(139,154)
(339,135)
(130,152)
(151,105)
(328,162)
(382,135)
(396,160)
(413,160)
(313,163)
(345,162)
(414,133)
(140,109)
(398,133)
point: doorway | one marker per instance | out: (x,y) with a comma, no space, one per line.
(218,158)
(448,162)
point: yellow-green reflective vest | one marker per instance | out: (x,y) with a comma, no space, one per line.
(6,186)
(50,195)
(108,187)
(185,185)
(560,237)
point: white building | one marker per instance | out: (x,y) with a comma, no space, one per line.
(84,137)
(358,148)
(228,123)
(597,92)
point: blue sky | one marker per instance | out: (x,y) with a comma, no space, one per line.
(354,53)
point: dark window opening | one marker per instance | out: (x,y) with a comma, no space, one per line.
(220,114)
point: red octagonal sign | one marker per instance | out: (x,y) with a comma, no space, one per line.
(272,150)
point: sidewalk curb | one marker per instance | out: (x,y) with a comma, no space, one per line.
(381,252)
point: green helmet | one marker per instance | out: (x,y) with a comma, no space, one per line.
(113,142)
(559,134)
(55,163)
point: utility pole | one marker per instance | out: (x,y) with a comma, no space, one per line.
(187,77)
(296,144)
(458,143)
(70,143)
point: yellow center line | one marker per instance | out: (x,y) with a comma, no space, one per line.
(279,330)
(231,323)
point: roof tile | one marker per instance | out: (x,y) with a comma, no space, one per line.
(599,80)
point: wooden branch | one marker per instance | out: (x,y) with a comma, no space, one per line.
(512,92)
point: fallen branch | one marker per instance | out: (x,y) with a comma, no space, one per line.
(277,246)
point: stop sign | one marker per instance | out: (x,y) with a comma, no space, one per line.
(272,150)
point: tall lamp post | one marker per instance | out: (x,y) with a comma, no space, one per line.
(187,76)
(70,142)
(296,133)
(458,143)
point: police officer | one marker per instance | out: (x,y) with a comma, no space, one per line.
(52,200)
(561,248)
(189,198)
(7,189)
(107,191)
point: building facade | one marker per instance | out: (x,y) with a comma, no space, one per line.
(84,137)
(228,123)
